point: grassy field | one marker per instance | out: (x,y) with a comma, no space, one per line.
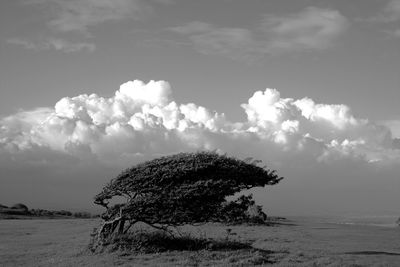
(303,243)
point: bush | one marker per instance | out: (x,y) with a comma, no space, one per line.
(14,212)
(63,213)
(82,214)
(243,210)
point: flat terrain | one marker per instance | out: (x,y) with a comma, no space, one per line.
(303,243)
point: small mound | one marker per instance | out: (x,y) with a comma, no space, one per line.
(156,242)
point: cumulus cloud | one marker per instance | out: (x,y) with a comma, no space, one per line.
(139,120)
(301,125)
(53,43)
(312,28)
(142,120)
(85,137)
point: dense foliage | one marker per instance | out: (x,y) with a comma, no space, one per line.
(242,210)
(185,188)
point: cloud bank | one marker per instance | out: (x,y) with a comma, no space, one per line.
(85,134)
(143,120)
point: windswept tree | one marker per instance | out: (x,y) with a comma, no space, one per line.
(185,188)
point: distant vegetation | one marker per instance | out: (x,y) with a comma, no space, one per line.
(186,188)
(20,211)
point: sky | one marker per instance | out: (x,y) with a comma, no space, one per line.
(310,87)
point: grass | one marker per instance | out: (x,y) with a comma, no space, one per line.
(159,241)
(199,248)
(64,243)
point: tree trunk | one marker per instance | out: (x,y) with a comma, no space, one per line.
(121,226)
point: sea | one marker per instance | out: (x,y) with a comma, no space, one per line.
(377,220)
(389,220)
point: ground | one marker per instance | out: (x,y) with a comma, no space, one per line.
(300,243)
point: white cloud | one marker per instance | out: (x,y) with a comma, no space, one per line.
(85,140)
(53,43)
(337,115)
(312,28)
(293,123)
(142,119)
(153,93)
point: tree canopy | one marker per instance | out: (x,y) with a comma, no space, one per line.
(185,188)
